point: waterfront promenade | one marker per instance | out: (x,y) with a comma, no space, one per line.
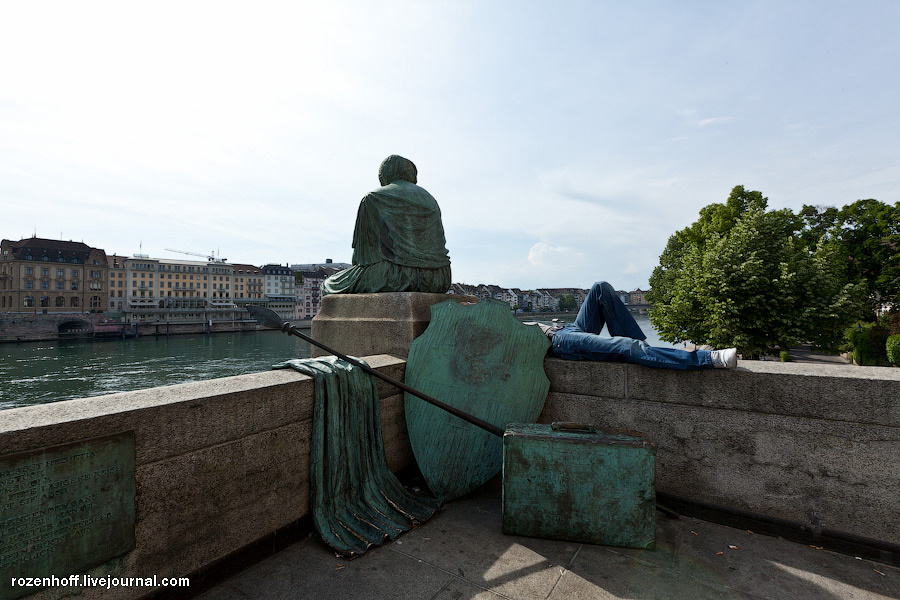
(462,554)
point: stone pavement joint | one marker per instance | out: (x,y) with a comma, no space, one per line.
(462,553)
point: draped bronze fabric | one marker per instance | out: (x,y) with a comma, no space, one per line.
(398,242)
(356,500)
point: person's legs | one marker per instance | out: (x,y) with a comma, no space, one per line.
(602,305)
(572,344)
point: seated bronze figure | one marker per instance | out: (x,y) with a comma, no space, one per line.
(398,243)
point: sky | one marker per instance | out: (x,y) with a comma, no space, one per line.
(565,142)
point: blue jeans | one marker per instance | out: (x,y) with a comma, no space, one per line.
(580,340)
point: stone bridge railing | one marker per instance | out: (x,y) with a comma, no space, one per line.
(222,464)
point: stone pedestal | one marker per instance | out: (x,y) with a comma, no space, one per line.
(367,324)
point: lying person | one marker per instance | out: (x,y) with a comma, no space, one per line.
(581,340)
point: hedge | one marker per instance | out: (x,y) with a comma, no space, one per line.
(893,349)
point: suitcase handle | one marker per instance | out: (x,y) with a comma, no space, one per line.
(572,427)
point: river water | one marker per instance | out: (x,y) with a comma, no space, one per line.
(39,372)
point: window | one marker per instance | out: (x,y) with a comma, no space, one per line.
(60,272)
(95,301)
(29,270)
(45,285)
(60,285)
(74,285)
(29,284)
(60,301)
(74,302)
(28,301)
(45,272)
(45,301)
(74,272)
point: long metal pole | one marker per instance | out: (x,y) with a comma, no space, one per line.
(288,328)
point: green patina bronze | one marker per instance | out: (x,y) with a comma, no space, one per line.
(398,242)
(356,500)
(579,485)
(480,360)
(64,509)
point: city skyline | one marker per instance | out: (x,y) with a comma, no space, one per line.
(563,147)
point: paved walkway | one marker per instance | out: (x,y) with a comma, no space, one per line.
(462,554)
(804,355)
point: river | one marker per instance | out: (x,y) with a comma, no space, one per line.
(39,372)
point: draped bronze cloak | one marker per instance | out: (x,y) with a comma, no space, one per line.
(398,244)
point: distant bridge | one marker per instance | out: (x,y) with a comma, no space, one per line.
(639,309)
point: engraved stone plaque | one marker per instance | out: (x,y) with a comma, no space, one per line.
(66,508)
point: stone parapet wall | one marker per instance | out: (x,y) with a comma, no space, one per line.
(223,463)
(813,444)
(218,464)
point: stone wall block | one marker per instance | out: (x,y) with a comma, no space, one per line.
(859,395)
(171,420)
(366,324)
(204,504)
(586,377)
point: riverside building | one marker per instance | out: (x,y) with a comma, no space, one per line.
(174,290)
(46,276)
(248,286)
(309,293)
(279,289)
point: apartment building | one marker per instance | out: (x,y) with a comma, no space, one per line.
(162,289)
(308,293)
(52,276)
(118,296)
(248,283)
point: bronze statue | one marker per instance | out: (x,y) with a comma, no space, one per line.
(398,243)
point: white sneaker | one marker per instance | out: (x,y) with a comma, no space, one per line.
(724,359)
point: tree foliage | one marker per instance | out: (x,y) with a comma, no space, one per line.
(867,233)
(743,276)
(567,302)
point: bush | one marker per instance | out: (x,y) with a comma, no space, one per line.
(869,343)
(891,321)
(893,349)
(785,356)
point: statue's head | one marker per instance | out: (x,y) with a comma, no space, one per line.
(396,167)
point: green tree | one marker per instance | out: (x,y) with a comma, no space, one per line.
(867,233)
(741,276)
(567,302)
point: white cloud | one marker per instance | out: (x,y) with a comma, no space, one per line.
(714,121)
(542,254)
